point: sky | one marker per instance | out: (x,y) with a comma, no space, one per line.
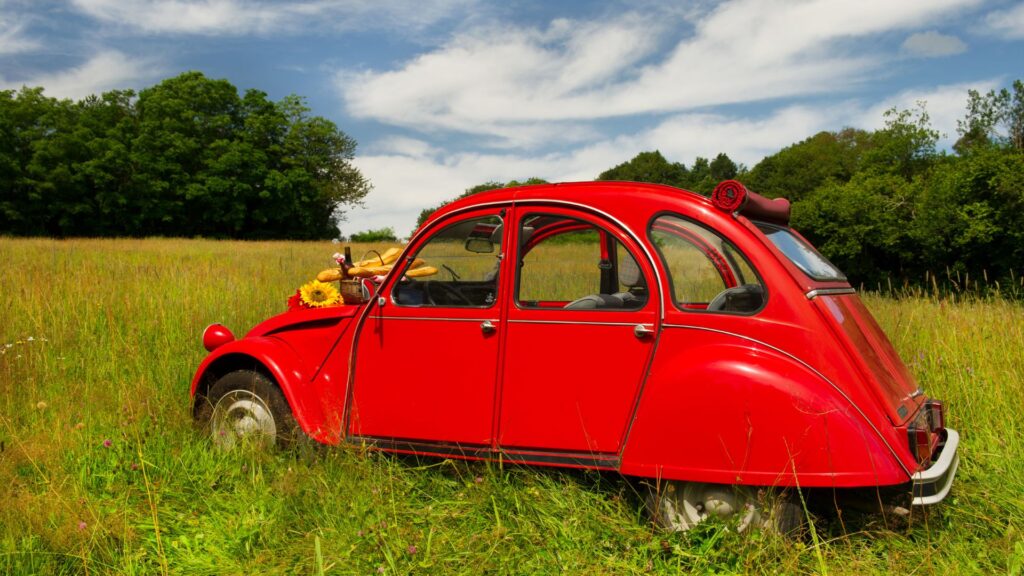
(442,95)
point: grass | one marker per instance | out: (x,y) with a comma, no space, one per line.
(101,470)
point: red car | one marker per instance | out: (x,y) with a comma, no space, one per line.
(698,343)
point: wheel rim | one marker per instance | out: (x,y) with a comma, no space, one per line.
(684,505)
(242,415)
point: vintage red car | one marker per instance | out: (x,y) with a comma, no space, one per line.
(699,343)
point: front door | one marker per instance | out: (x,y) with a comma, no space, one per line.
(581,329)
(426,360)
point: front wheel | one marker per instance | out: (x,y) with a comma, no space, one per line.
(679,506)
(246,407)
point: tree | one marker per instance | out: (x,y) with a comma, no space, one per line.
(994,118)
(379,235)
(649,167)
(798,169)
(189,156)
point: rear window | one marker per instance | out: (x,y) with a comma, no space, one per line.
(802,254)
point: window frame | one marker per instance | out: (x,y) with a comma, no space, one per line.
(670,280)
(430,235)
(557,211)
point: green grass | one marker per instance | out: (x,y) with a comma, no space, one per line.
(104,338)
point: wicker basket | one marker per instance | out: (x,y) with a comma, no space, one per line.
(352,290)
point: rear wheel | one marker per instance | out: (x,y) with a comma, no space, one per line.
(246,407)
(679,506)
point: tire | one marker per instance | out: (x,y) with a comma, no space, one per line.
(679,506)
(246,407)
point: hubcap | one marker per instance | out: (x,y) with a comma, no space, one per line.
(241,415)
(683,505)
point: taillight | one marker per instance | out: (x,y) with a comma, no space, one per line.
(936,413)
(921,433)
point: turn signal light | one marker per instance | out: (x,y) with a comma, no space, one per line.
(936,413)
(215,336)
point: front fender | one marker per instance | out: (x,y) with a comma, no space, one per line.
(280,362)
(727,412)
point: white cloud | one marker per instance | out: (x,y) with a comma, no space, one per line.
(13,39)
(1007,23)
(105,70)
(932,44)
(512,82)
(219,17)
(410,175)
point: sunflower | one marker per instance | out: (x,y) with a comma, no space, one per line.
(318,294)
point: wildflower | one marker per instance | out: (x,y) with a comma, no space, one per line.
(380,570)
(81,525)
(108,443)
(30,339)
(360,533)
(478,479)
(411,549)
(79,425)
(134,466)
(41,405)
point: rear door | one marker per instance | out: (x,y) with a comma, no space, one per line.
(581,328)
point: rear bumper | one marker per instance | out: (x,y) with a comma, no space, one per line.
(931,485)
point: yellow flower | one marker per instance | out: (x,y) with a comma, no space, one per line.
(318,294)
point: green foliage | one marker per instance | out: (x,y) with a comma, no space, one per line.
(187,157)
(649,167)
(379,235)
(797,170)
(993,119)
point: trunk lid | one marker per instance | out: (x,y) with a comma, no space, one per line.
(872,352)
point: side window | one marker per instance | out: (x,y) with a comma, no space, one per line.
(705,270)
(574,265)
(457,267)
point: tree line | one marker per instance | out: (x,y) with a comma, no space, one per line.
(886,205)
(189,156)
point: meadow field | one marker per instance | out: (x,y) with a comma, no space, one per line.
(102,471)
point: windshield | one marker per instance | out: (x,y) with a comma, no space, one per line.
(800,253)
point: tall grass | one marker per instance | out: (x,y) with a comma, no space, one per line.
(101,470)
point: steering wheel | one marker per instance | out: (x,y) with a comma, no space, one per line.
(454,294)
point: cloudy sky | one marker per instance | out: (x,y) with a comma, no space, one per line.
(445,94)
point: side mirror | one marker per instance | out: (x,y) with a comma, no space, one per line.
(479,245)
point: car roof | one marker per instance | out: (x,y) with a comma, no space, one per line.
(595,193)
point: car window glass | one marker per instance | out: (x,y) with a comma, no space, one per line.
(571,264)
(464,257)
(801,253)
(705,270)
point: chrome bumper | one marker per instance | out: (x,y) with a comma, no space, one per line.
(933,483)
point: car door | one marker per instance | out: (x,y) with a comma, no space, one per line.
(581,328)
(426,360)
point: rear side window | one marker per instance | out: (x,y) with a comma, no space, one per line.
(800,253)
(706,272)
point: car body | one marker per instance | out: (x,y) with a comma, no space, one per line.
(612,325)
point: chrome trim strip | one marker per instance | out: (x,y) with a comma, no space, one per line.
(829,292)
(814,371)
(583,322)
(439,319)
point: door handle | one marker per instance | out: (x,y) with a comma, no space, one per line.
(642,331)
(488,327)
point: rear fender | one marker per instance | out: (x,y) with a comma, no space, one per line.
(731,413)
(277,360)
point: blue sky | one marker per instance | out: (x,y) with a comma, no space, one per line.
(445,94)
